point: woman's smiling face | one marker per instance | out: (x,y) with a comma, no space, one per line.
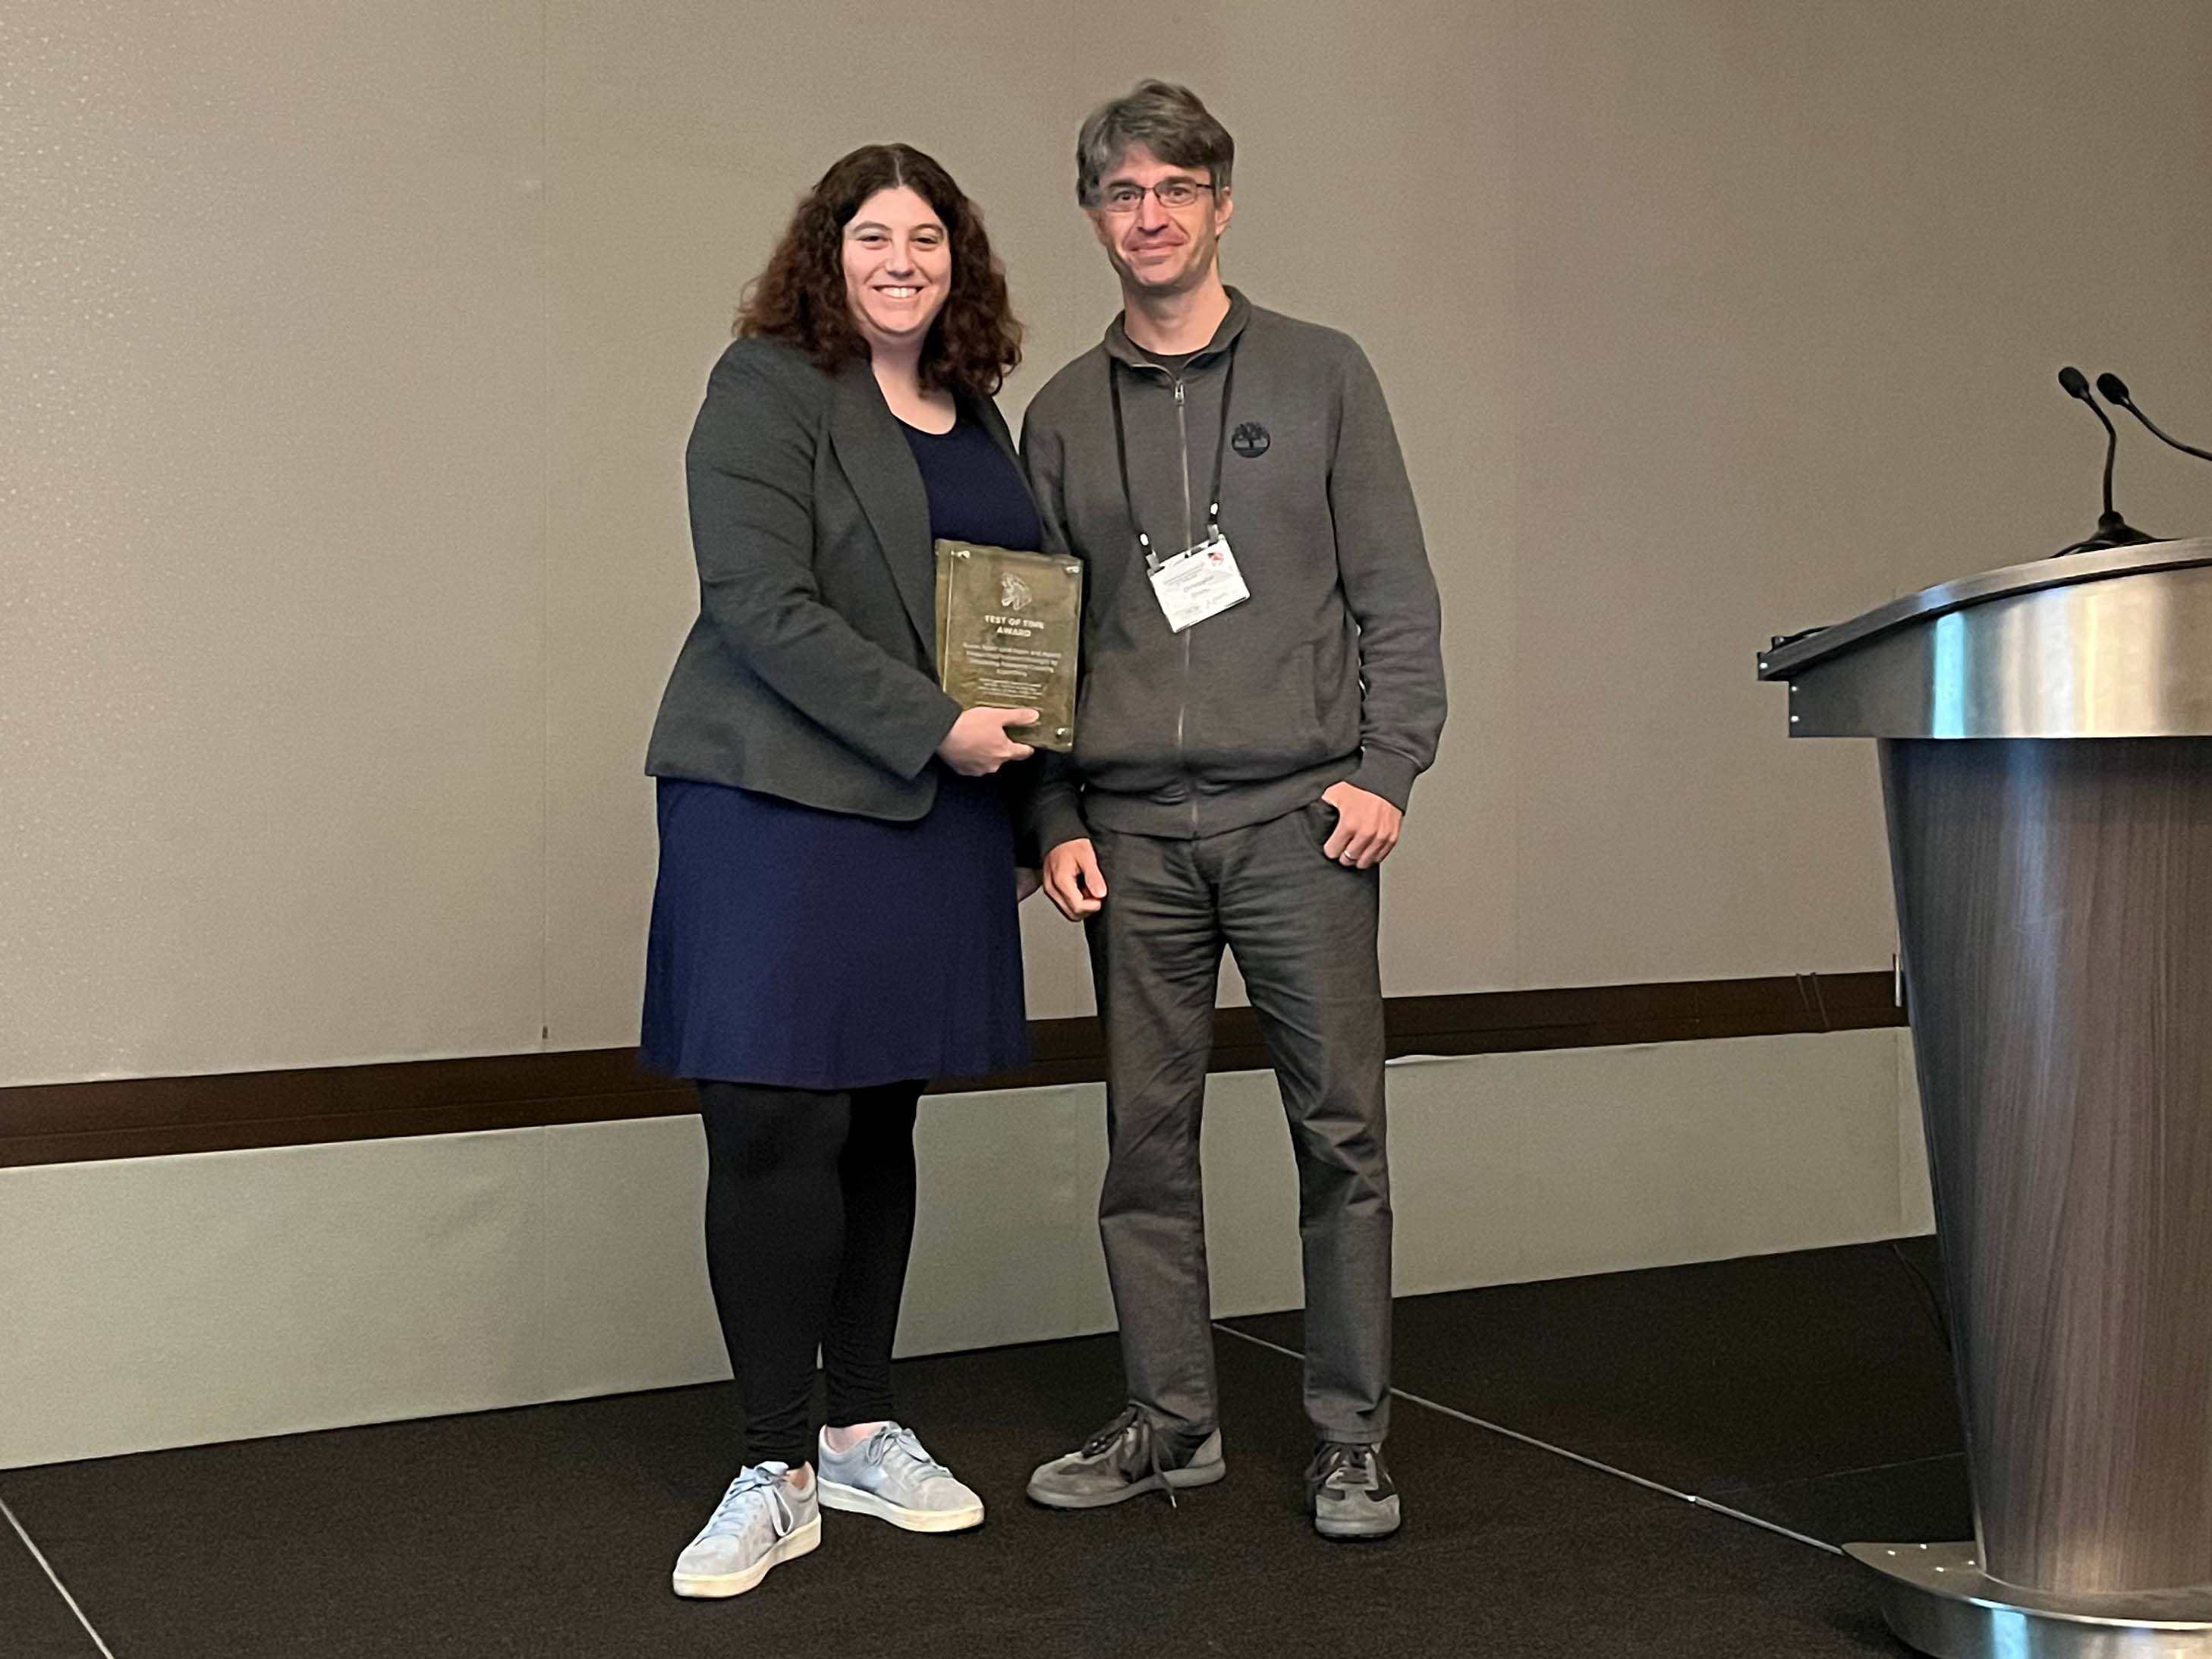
(898,267)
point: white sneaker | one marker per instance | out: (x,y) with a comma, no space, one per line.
(890,1476)
(760,1521)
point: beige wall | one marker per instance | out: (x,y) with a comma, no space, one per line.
(350,350)
(169,1301)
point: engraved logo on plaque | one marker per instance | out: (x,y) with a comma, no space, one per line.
(1013,593)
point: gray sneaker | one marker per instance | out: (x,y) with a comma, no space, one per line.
(1349,1491)
(1127,1458)
(760,1522)
(890,1476)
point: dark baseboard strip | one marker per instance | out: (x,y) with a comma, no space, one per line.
(143,1117)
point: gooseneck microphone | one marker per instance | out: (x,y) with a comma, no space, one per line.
(2116,392)
(2076,383)
(2112,530)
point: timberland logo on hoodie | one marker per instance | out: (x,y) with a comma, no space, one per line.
(1250,440)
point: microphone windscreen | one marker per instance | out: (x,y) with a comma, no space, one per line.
(2074,382)
(2114,388)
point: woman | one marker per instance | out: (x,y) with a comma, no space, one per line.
(834,922)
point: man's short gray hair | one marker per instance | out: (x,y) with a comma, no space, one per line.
(1165,118)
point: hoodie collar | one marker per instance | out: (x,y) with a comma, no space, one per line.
(1122,348)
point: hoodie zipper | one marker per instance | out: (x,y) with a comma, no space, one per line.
(1182,703)
(1190,534)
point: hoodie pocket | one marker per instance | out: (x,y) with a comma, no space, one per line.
(1125,725)
(1252,725)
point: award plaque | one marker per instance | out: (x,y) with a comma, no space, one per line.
(1007,627)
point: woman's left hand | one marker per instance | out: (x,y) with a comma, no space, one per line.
(1025,882)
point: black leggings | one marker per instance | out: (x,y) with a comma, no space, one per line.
(809,1217)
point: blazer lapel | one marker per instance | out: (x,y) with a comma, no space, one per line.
(879,466)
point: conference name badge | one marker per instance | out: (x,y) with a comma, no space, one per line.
(1198,582)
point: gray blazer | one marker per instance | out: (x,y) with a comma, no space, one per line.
(809,673)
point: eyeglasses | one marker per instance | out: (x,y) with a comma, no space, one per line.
(1124,199)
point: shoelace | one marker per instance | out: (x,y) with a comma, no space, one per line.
(1337,1459)
(1113,1431)
(896,1437)
(1131,1421)
(767,1483)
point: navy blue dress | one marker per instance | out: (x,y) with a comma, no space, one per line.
(810,949)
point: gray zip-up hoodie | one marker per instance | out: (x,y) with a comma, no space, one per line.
(1330,671)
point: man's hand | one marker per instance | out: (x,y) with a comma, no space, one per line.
(977,745)
(1073,880)
(1366,827)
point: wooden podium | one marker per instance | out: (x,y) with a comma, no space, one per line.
(2045,735)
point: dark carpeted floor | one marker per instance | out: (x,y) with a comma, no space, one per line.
(35,1623)
(1809,1390)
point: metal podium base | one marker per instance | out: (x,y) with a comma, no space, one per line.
(1936,1598)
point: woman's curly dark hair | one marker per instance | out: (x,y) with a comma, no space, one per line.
(800,297)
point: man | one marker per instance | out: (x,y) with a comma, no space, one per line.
(1262,683)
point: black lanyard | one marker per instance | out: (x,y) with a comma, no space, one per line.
(1121,456)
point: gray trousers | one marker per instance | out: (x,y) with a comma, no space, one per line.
(1304,929)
